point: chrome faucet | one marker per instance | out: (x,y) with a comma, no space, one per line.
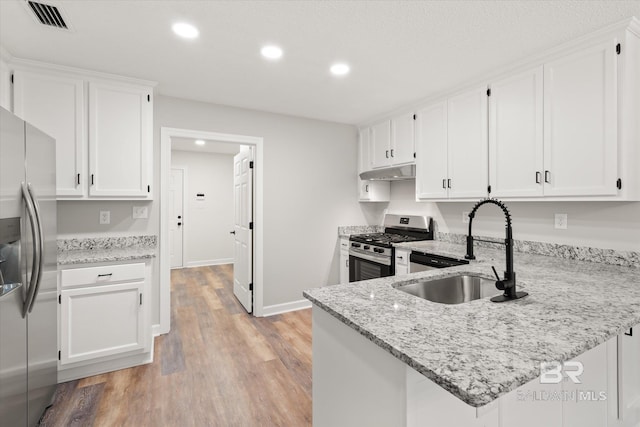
(508,283)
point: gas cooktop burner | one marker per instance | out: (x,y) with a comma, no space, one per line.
(384,238)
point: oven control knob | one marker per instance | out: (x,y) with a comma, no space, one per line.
(378,250)
(366,247)
(355,245)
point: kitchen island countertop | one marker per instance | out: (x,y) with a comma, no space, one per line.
(481,350)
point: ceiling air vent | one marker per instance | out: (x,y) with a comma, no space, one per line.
(48,15)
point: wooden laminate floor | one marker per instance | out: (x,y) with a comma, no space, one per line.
(217,367)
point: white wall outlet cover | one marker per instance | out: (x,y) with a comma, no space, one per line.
(140,212)
(561,221)
(105,217)
(465,217)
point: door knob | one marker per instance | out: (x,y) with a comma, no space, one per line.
(179,216)
(179,224)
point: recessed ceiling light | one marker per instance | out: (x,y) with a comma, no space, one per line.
(185,30)
(339,69)
(271,52)
(199,142)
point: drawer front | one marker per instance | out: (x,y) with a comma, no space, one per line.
(402,258)
(101,275)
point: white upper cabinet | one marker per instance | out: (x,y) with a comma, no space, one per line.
(103,129)
(120,133)
(392,141)
(55,104)
(364,148)
(431,152)
(467,144)
(380,144)
(580,122)
(369,191)
(451,148)
(402,139)
(516,136)
(5,85)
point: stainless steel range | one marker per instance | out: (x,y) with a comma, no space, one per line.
(371,255)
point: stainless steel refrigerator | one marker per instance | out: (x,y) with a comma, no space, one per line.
(28,272)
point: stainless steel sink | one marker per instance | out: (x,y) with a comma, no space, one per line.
(453,289)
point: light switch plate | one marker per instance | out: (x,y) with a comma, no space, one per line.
(561,221)
(140,212)
(105,217)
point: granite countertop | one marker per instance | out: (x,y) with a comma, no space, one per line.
(105,249)
(481,350)
(347,230)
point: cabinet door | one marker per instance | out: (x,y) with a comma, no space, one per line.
(344,260)
(431,152)
(381,144)
(516,136)
(588,404)
(100,321)
(402,139)
(467,144)
(120,140)
(580,129)
(375,191)
(364,149)
(56,105)
(629,376)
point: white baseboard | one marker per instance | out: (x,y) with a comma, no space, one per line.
(156,330)
(270,310)
(204,263)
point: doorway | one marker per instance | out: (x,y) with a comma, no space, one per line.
(256,143)
(176,229)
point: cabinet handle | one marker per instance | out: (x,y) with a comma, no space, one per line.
(386,153)
(392,152)
(78,180)
(538,177)
(366,188)
(444,183)
(91,179)
(105,275)
(449,183)
(400,257)
(547,177)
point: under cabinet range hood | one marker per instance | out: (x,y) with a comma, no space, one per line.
(393,173)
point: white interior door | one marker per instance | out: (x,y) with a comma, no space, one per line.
(176,188)
(243,227)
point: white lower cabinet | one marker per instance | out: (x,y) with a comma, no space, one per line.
(104,317)
(628,403)
(599,388)
(402,261)
(344,260)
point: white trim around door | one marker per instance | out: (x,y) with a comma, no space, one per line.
(163,241)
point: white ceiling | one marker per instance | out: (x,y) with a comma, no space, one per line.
(218,147)
(399,51)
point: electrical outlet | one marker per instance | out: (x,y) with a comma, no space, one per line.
(561,221)
(140,212)
(465,217)
(105,217)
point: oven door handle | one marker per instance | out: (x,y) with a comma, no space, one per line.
(372,258)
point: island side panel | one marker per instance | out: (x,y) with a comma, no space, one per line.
(355,383)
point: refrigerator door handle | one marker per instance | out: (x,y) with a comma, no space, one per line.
(35,266)
(40,247)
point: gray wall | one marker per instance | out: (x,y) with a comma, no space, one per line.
(207,223)
(309,188)
(607,225)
